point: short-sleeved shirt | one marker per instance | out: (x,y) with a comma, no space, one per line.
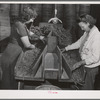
(18,30)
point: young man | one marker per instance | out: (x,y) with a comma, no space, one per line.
(89,49)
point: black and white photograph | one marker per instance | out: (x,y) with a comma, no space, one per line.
(50,46)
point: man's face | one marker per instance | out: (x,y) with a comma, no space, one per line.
(84,26)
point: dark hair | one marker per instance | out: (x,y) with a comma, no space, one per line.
(87,19)
(27,13)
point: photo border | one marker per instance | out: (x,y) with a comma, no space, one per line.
(50,94)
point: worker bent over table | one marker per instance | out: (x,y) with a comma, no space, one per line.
(19,40)
(89,50)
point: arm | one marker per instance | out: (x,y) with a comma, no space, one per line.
(30,33)
(28,25)
(29,21)
(23,33)
(26,42)
(75,45)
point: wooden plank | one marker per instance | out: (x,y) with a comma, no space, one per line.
(58,52)
(51,59)
(66,67)
(51,44)
(51,66)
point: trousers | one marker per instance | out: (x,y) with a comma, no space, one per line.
(90,78)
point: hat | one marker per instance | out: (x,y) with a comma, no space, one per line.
(88,18)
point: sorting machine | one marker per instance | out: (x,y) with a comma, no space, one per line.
(51,64)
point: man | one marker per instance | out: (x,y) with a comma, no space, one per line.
(89,49)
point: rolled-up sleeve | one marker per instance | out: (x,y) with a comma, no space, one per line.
(77,44)
(94,56)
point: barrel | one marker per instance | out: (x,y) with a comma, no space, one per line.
(51,44)
(5,28)
(47,12)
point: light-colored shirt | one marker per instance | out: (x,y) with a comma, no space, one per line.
(91,49)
